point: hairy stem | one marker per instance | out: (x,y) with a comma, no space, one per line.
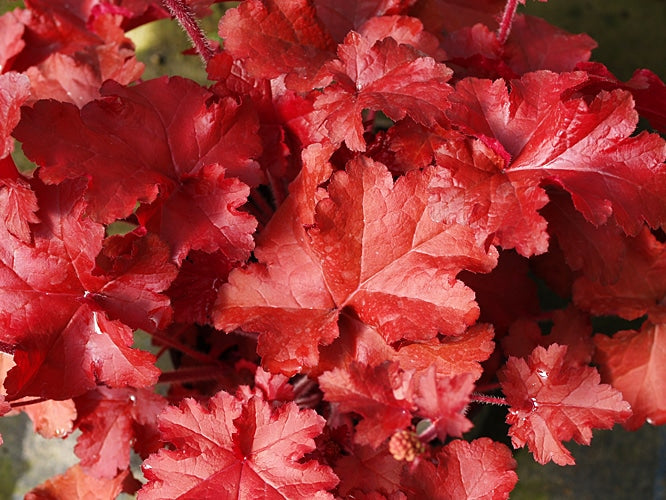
(507,20)
(492,400)
(181,11)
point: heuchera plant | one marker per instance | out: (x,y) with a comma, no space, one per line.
(336,247)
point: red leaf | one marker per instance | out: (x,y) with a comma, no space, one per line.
(402,282)
(52,419)
(275,37)
(605,169)
(443,401)
(596,251)
(368,470)
(648,90)
(75,483)
(452,355)
(14,91)
(55,310)
(111,420)
(77,77)
(570,327)
(343,16)
(11,37)
(481,469)
(231,449)
(474,186)
(535,44)
(383,76)
(18,205)
(180,153)
(551,401)
(640,287)
(370,392)
(633,362)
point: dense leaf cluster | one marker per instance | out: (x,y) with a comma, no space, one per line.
(335,247)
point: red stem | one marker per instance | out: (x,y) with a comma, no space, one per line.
(181,11)
(191,374)
(18,404)
(488,387)
(174,344)
(492,400)
(507,20)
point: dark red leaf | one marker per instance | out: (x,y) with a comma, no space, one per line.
(640,287)
(633,362)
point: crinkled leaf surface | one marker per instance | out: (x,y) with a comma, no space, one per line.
(232,449)
(14,90)
(383,76)
(553,401)
(400,281)
(370,392)
(633,362)
(134,146)
(111,420)
(276,37)
(481,469)
(70,327)
(586,148)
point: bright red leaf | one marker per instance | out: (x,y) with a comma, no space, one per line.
(77,78)
(382,76)
(586,148)
(111,420)
(70,327)
(634,362)
(481,469)
(275,37)
(370,392)
(11,37)
(182,159)
(401,282)
(18,203)
(553,401)
(443,400)
(234,450)
(14,91)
